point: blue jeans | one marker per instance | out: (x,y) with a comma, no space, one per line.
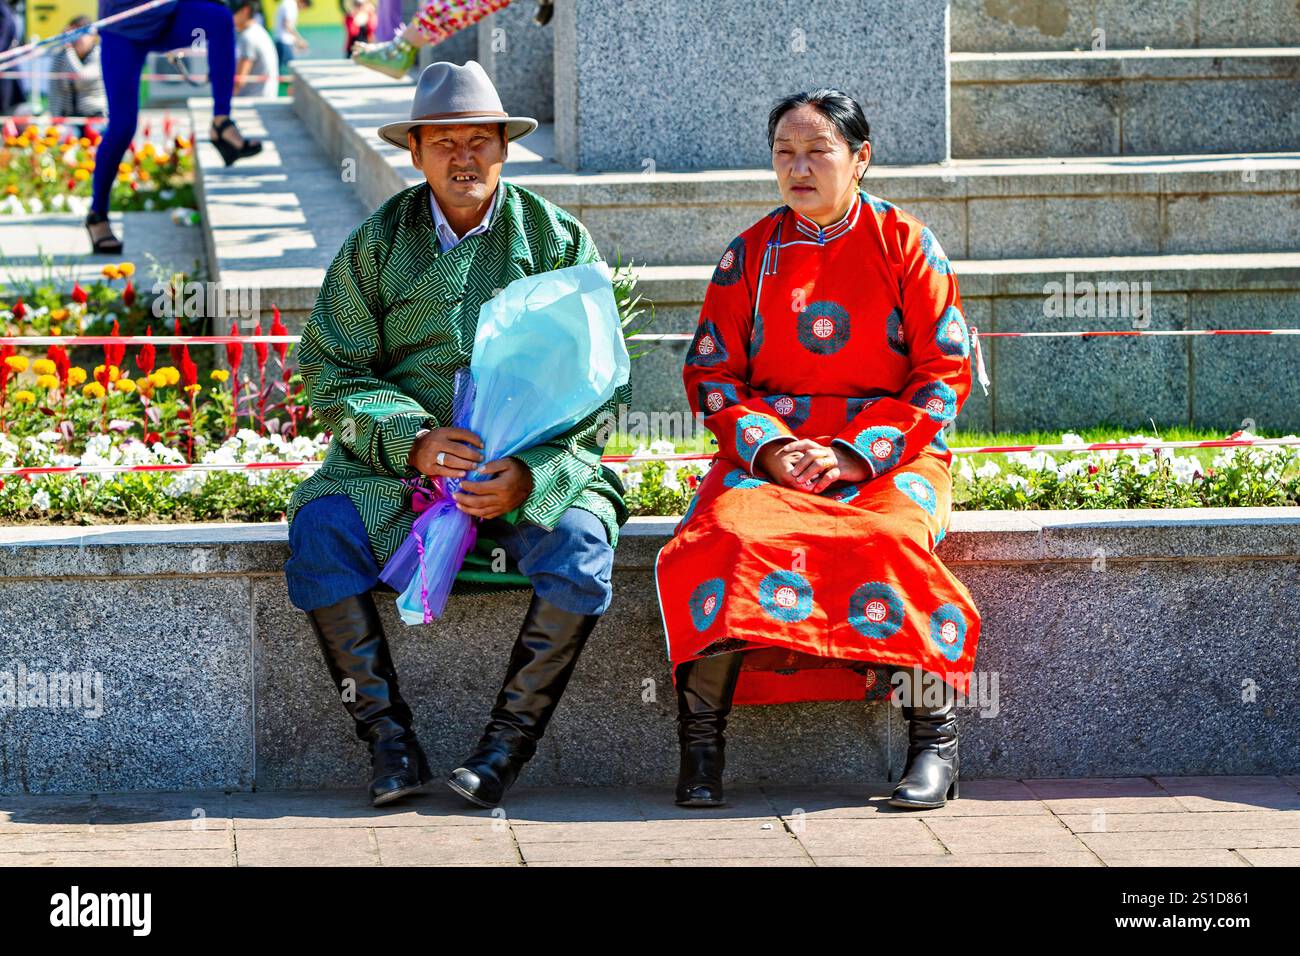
(331,557)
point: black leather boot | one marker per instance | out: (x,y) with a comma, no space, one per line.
(704,690)
(352,639)
(930,777)
(541,663)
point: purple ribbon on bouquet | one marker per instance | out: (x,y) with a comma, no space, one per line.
(432,501)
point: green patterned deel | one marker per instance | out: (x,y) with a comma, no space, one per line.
(394,320)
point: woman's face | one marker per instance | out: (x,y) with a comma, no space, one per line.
(815,169)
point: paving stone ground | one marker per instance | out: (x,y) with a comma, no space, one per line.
(1135,821)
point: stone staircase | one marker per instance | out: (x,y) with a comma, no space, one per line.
(1172,174)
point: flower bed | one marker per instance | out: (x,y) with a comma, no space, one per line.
(48,168)
(55,412)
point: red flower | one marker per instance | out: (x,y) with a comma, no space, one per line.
(234,350)
(128,294)
(78,294)
(175,350)
(59,356)
(277,328)
(167,125)
(260,348)
(189,371)
(113,354)
(5,371)
(145,360)
(1092,469)
(20,310)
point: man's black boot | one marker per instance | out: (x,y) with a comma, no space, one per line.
(541,663)
(352,639)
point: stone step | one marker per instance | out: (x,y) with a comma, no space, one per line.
(987,26)
(1130,103)
(1211,382)
(236,682)
(273,222)
(979,209)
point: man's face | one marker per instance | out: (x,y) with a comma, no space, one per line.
(243,17)
(462,163)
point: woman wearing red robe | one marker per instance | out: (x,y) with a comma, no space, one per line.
(830,353)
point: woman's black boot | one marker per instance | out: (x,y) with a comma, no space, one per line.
(704,690)
(930,777)
(352,639)
(542,661)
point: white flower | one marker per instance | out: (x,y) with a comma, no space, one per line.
(632,480)
(964,469)
(1070,438)
(1074,466)
(1017,481)
(42,500)
(989,469)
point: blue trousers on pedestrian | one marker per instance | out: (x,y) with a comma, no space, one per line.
(331,558)
(122,60)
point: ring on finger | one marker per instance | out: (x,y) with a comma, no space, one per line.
(440,458)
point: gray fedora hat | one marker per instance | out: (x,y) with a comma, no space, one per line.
(447,94)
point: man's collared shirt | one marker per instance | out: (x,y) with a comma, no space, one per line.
(447,238)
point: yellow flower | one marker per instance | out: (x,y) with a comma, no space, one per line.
(38,148)
(172,372)
(93,390)
(11,189)
(84,142)
(144,175)
(114,373)
(58,315)
(125,385)
(76,375)
(126,268)
(110,272)
(194,389)
(24,396)
(80,175)
(47,381)
(159,378)
(17,362)
(147,149)
(219,374)
(124,169)
(44,366)
(55,330)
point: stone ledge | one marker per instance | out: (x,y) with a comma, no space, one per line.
(212,679)
(34,552)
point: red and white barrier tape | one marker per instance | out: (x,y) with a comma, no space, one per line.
(641,336)
(982,450)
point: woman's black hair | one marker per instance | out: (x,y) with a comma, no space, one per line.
(836,105)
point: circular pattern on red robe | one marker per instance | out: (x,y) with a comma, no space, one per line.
(823,328)
(935,257)
(752,431)
(707,348)
(731,265)
(706,601)
(951,334)
(786,595)
(948,630)
(876,610)
(894,332)
(882,445)
(937,399)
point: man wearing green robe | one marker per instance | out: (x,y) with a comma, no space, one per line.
(395,318)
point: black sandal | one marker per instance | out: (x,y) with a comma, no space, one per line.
(228,152)
(104,245)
